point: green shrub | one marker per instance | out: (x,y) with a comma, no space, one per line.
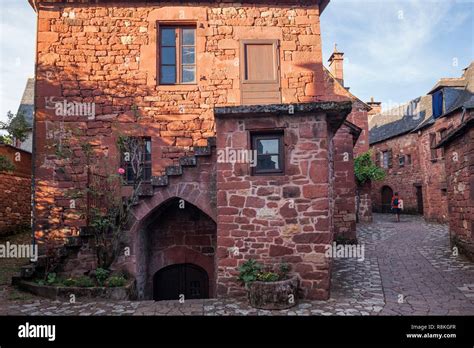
(84,282)
(51,279)
(101,275)
(69,282)
(116,281)
(268,277)
(249,271)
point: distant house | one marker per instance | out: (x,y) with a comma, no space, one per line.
(26,109)
(404,142)
(15,189)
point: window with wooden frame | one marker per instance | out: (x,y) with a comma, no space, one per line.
(260,72)
(387,159)
(442,134)
(401,161)
(177,55)
(269,149)
(141,146)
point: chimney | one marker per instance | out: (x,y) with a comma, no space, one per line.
(376,107)
(336,65)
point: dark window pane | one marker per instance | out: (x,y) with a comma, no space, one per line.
(168,74)
(268,162)
(146,173)
(188,55)
(168,55)
(188,73)
(268,146)
(188,36)
(168,37)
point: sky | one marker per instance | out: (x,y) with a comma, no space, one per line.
(395,50)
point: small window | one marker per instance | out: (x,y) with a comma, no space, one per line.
(137,147)
(270,153)
(177,55)
(442,134)
(386,159)
(407,160)
(401,161)
(437,100)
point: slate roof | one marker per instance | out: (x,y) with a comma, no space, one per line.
(27,102)
(418,113)
(399,120)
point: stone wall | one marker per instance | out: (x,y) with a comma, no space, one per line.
(277,218)
(106,55)
(460,174)
(344,217)
(401,179)
(15,191)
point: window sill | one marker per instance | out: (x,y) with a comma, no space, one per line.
(193,87)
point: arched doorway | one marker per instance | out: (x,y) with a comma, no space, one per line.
(171,282)
(387,194)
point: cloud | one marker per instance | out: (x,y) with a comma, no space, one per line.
(17,52)
(395,43)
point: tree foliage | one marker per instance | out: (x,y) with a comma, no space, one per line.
(16,128)
(366,170)
(6,165)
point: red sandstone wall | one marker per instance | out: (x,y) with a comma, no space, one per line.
(460,175)
(399,179)
(435,199)
(106,54)
(344,217)
(276,218)
(15,191)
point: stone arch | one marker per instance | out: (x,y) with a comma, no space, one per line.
(168,234)
(386,193)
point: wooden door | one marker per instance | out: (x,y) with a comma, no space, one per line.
(173,281)
(419,199)
(387,194)
(260,72)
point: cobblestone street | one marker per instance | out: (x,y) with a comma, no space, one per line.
(408,269)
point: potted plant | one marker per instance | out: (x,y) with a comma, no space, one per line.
(269,288)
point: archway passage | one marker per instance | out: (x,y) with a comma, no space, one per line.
(387,194)
(175,281)
(177,233)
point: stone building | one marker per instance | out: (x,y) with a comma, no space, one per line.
(15,189)
(26,109)
(458,148)
(403,141)
(196,81)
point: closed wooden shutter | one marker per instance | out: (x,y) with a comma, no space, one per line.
(260,72)
(377,158)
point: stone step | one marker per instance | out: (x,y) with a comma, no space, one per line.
(27,271)
(202,151)
(159,181)
(174,170)
(211,142)
(188,161)
(145,190)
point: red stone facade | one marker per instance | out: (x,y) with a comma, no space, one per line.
(459,153)
(15,191)
(402,179)
(422,182)
(107,54)
(278,218)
